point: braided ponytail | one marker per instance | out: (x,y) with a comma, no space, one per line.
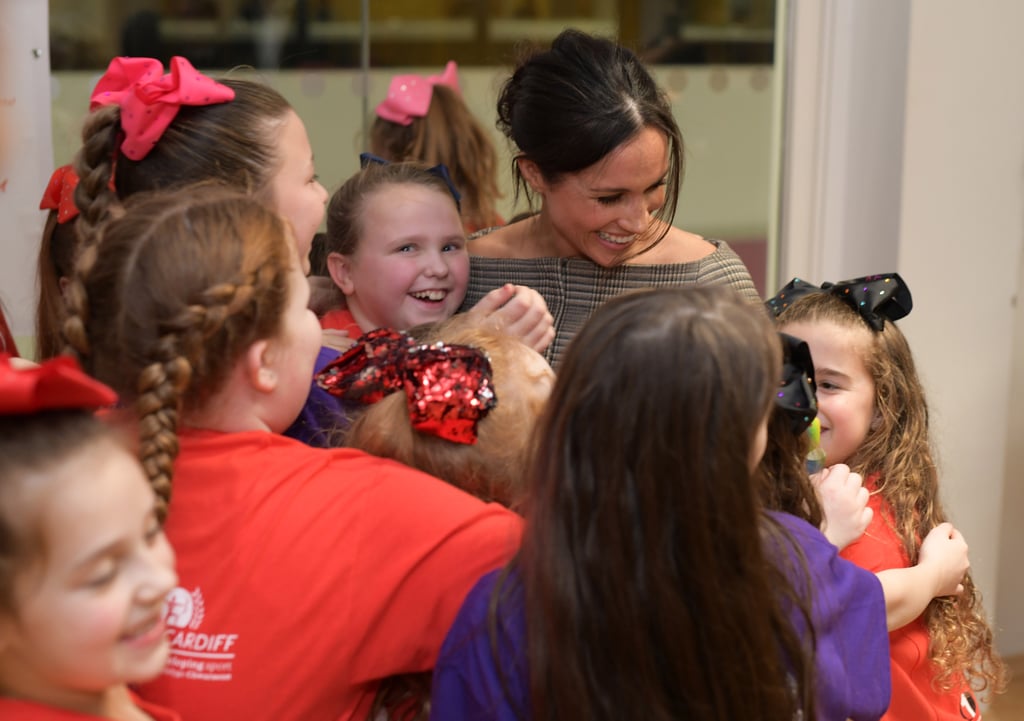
(94,164)
(168,299)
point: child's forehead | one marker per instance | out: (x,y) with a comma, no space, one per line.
(832,335)
(405,190)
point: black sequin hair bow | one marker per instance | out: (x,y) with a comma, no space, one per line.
(876,297)
(449,388)
(440,170)
(796,394)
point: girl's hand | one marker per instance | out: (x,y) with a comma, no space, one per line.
(944,553)
(845,503)
(518,311)
(337,339)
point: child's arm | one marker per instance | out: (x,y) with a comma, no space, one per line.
(940,569)
(519,311)
(844,501)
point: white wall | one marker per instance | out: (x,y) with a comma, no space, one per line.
(929,105)
(842,137)
(26,166)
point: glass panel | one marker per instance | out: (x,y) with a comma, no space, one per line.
(714,57)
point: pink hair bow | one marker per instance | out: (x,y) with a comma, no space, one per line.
(149,99)
(409,95)
(56,384)
(60,194)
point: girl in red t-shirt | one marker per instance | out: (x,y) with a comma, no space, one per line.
(308,575)
(874,418)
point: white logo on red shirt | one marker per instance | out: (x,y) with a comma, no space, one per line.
(196,655)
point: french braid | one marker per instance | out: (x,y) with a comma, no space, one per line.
(167,300)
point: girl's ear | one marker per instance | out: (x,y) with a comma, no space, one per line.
(258,369)
(876,420)
(340,269)
(531,174)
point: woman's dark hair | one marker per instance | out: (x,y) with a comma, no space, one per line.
(566,108)
(648,590)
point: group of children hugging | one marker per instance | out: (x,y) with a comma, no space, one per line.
(397,508)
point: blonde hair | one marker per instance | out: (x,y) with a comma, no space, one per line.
(450,134)
(166,299)
(492,468)
(898,450)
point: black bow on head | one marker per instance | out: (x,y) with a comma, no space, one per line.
(796,394)
(876,297)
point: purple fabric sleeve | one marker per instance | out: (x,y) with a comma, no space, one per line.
(323,416)
(468,684)
(848,614)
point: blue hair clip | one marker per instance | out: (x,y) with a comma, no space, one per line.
(877,298)
(440,170)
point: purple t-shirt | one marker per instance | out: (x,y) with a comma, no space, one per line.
(848,614)
(323,416)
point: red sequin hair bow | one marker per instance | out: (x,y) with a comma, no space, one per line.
(60,194)
(57,384)
(149,99)
(448,387)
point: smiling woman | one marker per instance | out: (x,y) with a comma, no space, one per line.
(597,144)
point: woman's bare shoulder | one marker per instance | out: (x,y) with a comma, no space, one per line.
(678,246)
(503,242)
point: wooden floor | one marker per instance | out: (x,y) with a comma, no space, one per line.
(1009,706)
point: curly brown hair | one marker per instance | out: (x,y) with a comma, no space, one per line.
(898,451)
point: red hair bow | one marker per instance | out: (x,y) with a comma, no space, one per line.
(58,383)
(409,95)
(448,387)
(149,100)
(60,194)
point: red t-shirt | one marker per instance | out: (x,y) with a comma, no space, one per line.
(19,710)
(341,319)
(7,344)
(913,698)
(307,575)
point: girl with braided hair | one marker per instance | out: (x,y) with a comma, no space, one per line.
(307,574)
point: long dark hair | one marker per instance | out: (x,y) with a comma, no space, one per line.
(647,590)
(568,107)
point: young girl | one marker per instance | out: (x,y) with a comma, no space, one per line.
(875,419)
(56,259)
(307,575)
(489,462)
(835,500)
(84,564)
(651,584)
(396,250)
(425,119)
